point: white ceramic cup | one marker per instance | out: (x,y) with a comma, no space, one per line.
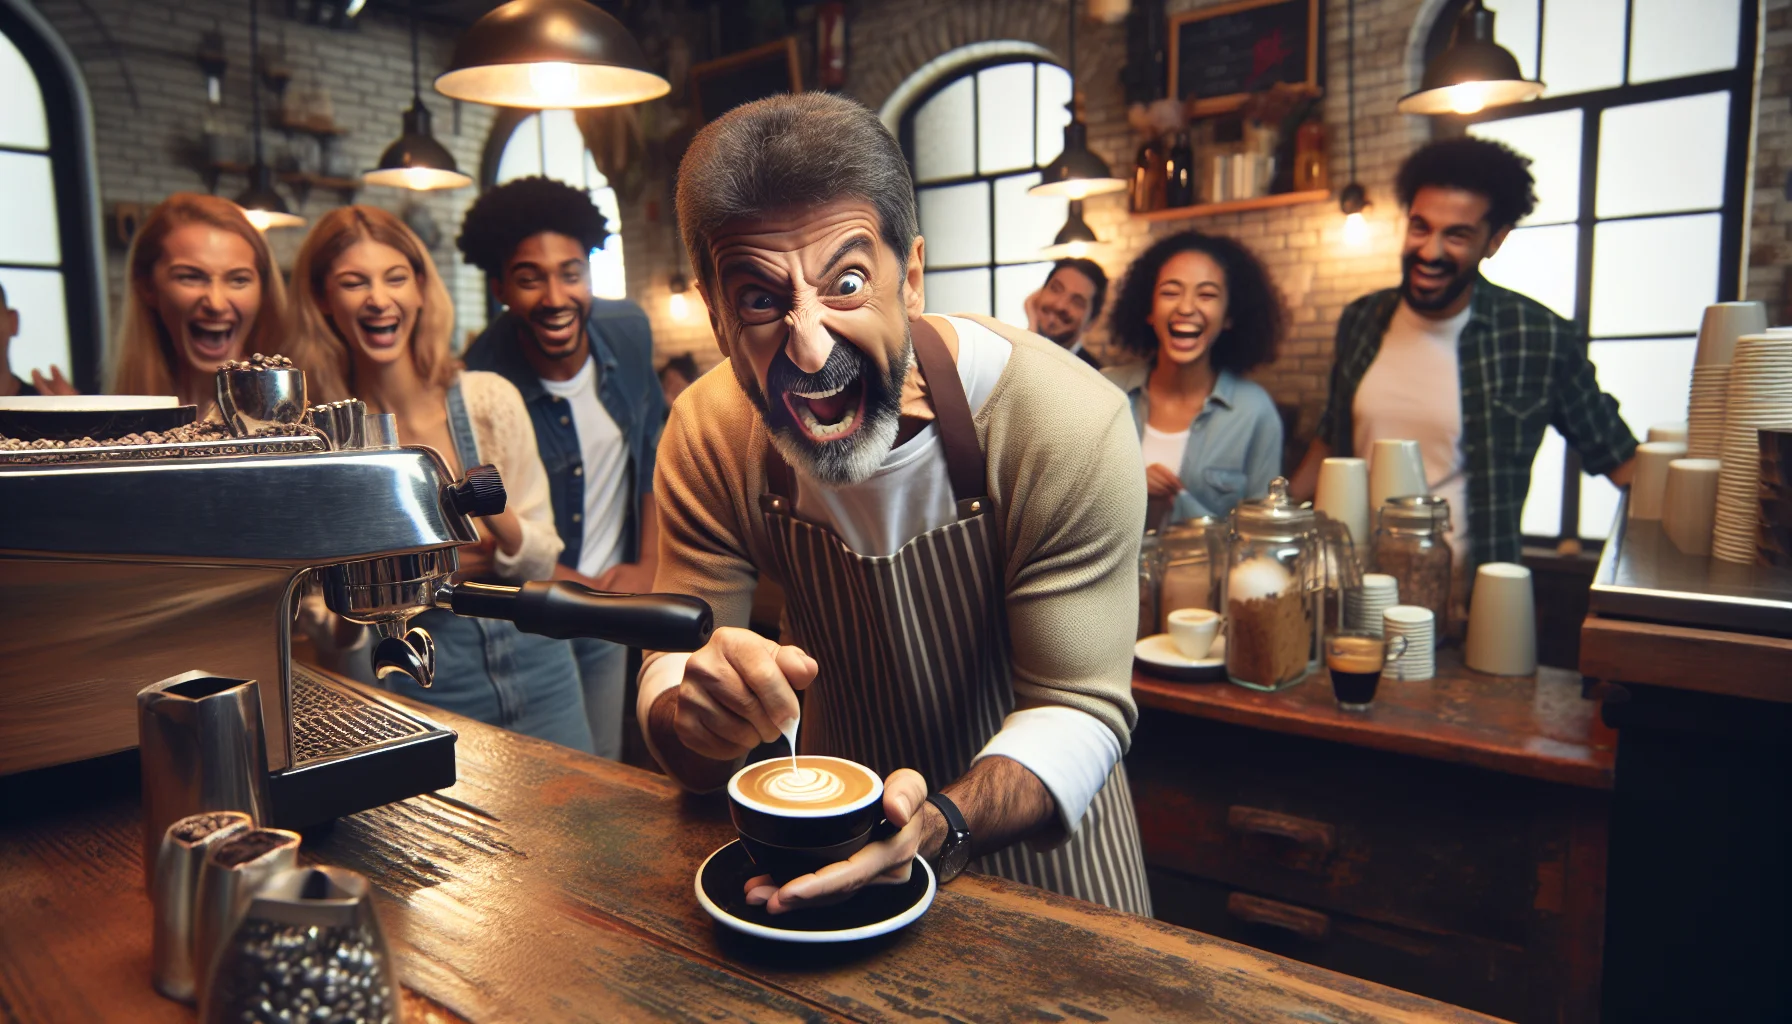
(1651,477)
(1668,432)
(1343,494)
(1192,631)
(1725,322)
(1502,621)
(1396,469)
(1689,504)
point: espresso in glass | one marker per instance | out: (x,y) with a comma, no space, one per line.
(1355,660)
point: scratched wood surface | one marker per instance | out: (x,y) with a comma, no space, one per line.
(549,885)
(1538,726)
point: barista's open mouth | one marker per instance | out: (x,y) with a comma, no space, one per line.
(828,415)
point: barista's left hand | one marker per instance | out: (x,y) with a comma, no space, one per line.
(883,863)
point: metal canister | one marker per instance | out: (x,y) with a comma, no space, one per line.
(175,893)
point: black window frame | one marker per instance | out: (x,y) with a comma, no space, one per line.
(905,135)
(68,115)
(1739,81)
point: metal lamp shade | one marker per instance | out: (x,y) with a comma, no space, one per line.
(1473,74)
(263,206)
(1074,238)
(1076,172)
(549,54)
(417,161)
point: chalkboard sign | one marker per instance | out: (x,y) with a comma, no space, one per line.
(720,85)
(1220,55)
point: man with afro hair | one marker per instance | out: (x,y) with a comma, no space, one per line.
(585,368)
(1472,371)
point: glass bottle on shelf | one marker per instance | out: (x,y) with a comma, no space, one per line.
(1179,189)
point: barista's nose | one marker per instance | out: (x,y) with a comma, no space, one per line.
(810,341)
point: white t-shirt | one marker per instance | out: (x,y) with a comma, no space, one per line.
(1163,448)
(1413,391)
(604,469)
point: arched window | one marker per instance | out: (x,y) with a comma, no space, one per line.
(1640,150)
(49,259)
(549,144)
(975,140)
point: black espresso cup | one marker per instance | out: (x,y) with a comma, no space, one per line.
(796,821)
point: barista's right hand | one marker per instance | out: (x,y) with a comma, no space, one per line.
(737,691)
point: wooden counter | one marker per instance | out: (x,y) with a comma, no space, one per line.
(1450,841)
(552,886)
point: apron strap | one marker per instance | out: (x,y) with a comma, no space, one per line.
(952,415)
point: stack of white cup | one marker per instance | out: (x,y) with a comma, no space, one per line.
(1724,322)
(1419,627)
(1363,608)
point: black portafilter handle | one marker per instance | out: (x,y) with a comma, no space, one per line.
(565,611)
(479,493)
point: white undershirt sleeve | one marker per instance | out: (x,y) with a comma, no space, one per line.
(1069,750)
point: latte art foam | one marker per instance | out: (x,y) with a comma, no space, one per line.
(814,784)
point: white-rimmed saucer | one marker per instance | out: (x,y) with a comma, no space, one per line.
(875,910)
(1158,656)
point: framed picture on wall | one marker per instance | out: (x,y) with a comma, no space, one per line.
(720,85)
(1220,55)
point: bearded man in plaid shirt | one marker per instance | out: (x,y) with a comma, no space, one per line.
(1472,371)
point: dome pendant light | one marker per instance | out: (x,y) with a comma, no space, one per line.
(1474,73)
(549,54)
(1076,172)
(1074,239)
(1355,198)
(417,161)
(261,204)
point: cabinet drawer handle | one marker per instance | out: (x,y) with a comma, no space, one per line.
(1314,836)
(1308,924)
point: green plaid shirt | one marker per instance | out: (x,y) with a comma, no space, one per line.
(1522,368)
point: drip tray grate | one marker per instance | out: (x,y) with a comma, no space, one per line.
(328,721)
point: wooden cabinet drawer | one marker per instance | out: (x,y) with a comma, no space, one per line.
(1482,975)
(1435,847)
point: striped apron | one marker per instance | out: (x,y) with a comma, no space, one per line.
(913,653)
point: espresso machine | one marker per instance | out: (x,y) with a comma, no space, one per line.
(122,564)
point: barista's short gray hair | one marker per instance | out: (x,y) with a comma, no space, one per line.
(792,150)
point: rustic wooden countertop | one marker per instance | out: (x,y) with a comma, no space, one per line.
(553,886)
(1539,726)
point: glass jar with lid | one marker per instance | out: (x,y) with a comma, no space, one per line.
(1273,585)
(1191,552)
(1412,544)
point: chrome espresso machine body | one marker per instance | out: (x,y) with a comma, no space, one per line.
(124,565)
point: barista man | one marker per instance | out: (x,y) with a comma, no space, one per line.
(956,542)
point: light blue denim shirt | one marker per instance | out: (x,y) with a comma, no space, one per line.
(1234,445)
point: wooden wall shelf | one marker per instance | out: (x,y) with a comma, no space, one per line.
(1235,206)
(301,182)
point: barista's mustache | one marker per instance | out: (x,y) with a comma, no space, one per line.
(845,364)
(1438,266)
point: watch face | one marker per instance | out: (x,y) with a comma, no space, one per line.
(955,856)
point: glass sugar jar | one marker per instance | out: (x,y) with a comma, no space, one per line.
(1273,585)
(1412,544)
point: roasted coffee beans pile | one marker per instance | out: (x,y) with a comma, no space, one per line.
(258,362)
(277,973)
(206,431)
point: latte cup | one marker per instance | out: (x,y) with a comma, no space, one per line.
(1192,630)
(793,822)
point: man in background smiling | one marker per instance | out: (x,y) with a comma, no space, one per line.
(585,368)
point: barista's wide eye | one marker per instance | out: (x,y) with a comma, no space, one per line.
(851,283)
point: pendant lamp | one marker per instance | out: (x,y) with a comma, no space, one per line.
(549,54)
(1076,172)
(1074,239)
(261,204)
(417,161)
(1354,199)
(1474,73)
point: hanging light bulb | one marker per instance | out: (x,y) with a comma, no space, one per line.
(676,303)
(1074,240)
(1474,73)
(261,204)
(1076,172)
(417,161)
(1354,200)
(549,54)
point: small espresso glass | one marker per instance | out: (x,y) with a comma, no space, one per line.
(1355,659)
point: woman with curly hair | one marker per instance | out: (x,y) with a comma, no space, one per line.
(371,319)
(1200,311)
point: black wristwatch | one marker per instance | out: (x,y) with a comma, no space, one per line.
(955,852)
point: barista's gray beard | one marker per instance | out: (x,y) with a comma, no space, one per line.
(854,459)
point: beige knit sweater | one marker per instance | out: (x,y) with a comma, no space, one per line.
(1066,479)
(506,439)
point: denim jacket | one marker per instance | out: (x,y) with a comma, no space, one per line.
(627,387)
(1234,445)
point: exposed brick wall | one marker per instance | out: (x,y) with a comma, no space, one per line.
(137,57)
(1770,234)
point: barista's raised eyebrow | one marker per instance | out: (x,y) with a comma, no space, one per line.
(858,243)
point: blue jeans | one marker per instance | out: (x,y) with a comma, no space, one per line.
(603,671)
(490,671)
